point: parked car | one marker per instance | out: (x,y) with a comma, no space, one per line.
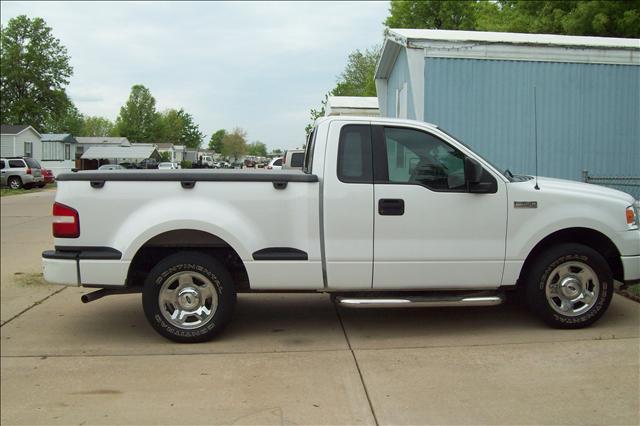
(207,161)
(275,164)
(47,176)
(248,163)
(293,159)
(18,172)
(129,165)
(111,167)
(148,163)
(465,235)
(168,166)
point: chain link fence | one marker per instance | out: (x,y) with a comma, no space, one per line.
(628,184)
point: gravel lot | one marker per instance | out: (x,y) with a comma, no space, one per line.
(296,359)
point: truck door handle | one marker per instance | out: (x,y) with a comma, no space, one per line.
(391,207)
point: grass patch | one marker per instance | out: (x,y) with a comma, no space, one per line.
(4,192)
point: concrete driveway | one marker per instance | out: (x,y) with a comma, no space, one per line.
(296,359)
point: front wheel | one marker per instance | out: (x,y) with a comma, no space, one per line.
(188,297)
(569,286)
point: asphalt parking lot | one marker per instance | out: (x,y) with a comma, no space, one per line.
(296,359)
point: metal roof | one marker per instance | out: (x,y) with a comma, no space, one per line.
(352,105)
(507,46)
(133,152)
(407,34)
(103,140)
(352,102)
(58,137)
(164,145)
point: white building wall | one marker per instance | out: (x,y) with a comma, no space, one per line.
(6,146)
(58,167)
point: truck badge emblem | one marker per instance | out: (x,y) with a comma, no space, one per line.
(525,204)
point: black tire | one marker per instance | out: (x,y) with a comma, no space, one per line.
(15,182)
(545,275)
(208,273)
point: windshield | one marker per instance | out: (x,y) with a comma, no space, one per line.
(506,173)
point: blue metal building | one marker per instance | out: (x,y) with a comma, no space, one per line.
(480,86)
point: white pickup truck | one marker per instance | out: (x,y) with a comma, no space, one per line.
(385,213)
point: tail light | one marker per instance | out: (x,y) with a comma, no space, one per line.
(28,170)
(66,221)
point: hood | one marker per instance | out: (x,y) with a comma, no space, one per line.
(574,187)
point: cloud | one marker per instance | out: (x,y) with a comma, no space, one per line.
(257,65)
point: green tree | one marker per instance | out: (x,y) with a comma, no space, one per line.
(169,127)
(34,71)
(138,119)
(357,79)
(257,149)
(589,18)
(178,127)
(191,135)
(450,15)
(97,126)
(605,18)
(215,143)
(277,152)
(234,144)
(68,120)
(165,156)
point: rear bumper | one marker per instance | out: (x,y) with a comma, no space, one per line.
(93,266)
(631,267)
(60,271)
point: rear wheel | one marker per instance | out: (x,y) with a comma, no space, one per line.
(189,297)
(569,286)
(15,182)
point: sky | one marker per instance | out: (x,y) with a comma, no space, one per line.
(260,66)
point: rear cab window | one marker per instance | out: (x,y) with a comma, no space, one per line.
(297,159)
(355,160)
(16,164)
(308,154)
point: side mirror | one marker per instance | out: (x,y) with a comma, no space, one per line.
(477,180)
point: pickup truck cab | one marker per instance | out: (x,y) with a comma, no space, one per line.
(384,213)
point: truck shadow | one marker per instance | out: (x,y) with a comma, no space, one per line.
(298,322)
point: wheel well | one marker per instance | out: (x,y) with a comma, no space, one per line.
(588,237)
(167,243)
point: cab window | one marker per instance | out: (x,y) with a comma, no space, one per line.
(417,157)
(355,161)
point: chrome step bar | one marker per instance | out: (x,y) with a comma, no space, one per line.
(422,301)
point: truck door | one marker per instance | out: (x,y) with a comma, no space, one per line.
(430,232)
(347,210)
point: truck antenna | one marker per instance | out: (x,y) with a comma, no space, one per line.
(535,132)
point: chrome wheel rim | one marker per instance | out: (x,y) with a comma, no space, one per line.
(188,300)
(14,184)
(572,288)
